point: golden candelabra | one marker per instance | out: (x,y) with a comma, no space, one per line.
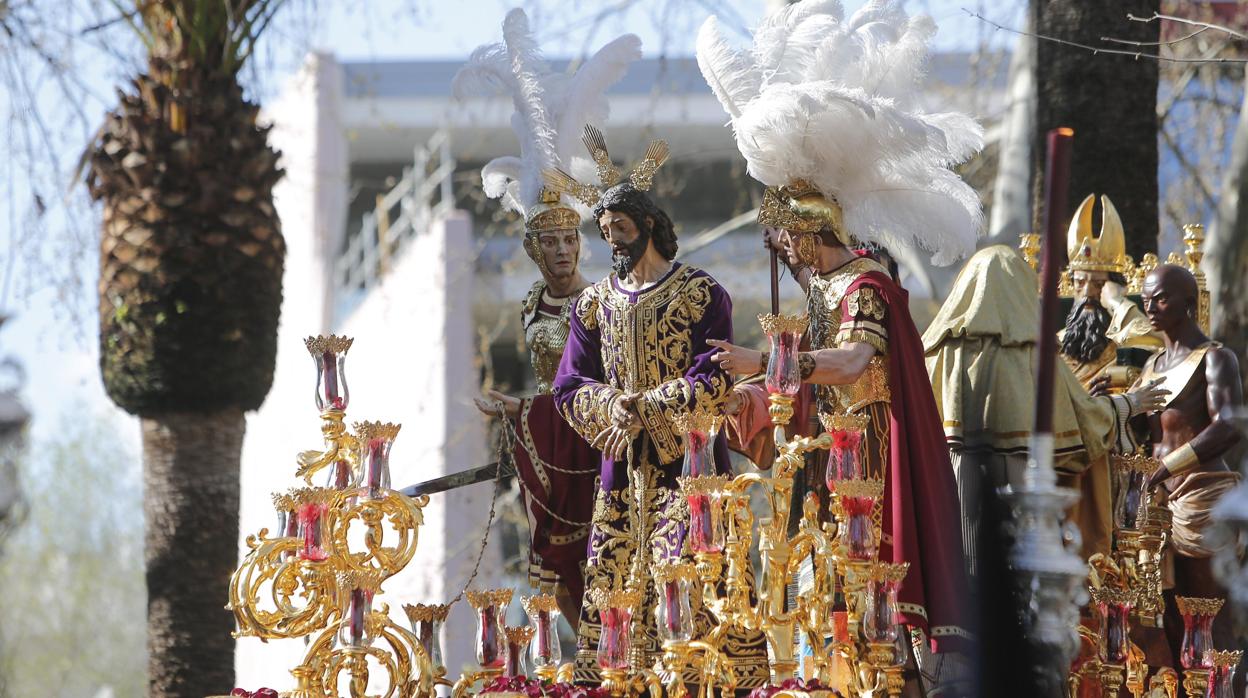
(338,543)
(335,547)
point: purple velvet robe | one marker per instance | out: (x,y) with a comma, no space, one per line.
(652,342)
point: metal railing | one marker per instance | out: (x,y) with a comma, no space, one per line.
(423,194)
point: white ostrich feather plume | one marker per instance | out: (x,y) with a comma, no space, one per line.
(834,101)
(552,108)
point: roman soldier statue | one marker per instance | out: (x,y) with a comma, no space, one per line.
(824,112)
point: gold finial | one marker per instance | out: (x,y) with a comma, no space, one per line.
(490,597)
(703,422)
(664,572)
(602,598)
(702,484)
(328,343)
(518,635)
(867,488)
(1193,606)
(367,431)
(594,142)
(427,613)
(539,603)
(1029,245)
(773,324)
(844,422)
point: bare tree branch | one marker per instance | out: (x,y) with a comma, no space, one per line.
(1190,22)
(1101,49)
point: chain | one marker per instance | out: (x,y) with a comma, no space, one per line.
(504,451)
(510,432)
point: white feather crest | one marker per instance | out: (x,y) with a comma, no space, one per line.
(833,103)
(551,108)
(730,73)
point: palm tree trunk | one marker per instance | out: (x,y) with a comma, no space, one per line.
(1111,103)
(191,500)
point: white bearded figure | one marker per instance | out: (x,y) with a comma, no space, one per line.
(827,107)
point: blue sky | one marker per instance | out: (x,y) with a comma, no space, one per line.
(49,288)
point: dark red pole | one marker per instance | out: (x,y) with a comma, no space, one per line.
(775,283)
(1056,185)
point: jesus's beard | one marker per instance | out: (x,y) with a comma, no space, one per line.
(625,260)
(1085,338)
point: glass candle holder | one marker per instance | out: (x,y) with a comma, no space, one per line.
(882,616)
(857,502)
(845,456)
(784,332)
(1222,683)
(672,613)
(517,639)
(427,621)
(1198,614)
(699,430)
(341,476)
(490,607)
(1114,606)
(376,439)
(287,519)
(543,612)
(1131,472)
(355,631)
(330,354)
(705,496)
(312,508)
(615,612)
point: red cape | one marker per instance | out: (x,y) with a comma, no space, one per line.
(921,511)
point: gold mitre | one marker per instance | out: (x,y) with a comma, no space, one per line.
(1106,252)
(801,208)
(550,214)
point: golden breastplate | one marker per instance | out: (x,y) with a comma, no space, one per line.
(871,387)
(545,337)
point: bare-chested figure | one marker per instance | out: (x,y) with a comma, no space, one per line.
(1190,435)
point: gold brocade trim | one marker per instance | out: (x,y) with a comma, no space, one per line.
(589,411)
(328,343)
(1176,378)
(587,306)
(774,324)
(844,422)
(539,603)
(552,219)
(1190,605)
(426,613)
(865,302)
(864,335)
(489,597)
